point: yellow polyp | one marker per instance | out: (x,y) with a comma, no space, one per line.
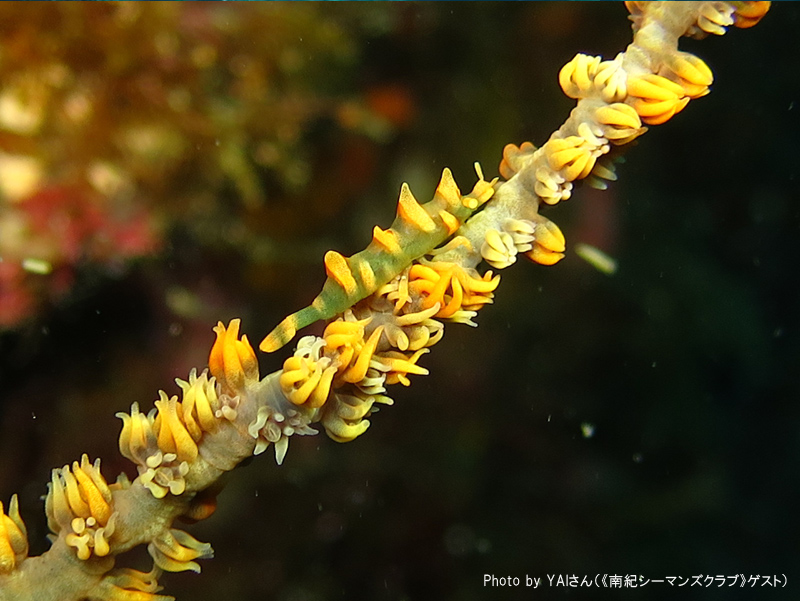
(691,68)
(655,109)
(507,168)
(177,487)
(98,505)
(394,361)
(387,239)
(500,254)
(78,506)
(197,410)
(351,328)
(187,417)
(18,538)
(748,14)
(205,412)
(618,115)
(576,77)
(693,91)
(568,86)
(558,144)
(125,584)
(233,371)
(494,240)
(164,438)
(167,543)
(334,341)
(656,113)
(247,358)
(156,425)
(298,396)
(580,167)
(455,302)
(398,295)
(358,371)
(417,338)
(295,369)
(624,136)
(186,540)
(353,412)
(482,285)
(549,236)
(8,559)
(184,445)
(173,550)
(476,301)
(565,78)
(419,271)
(450,221)
(587,168)
(436,294)
(420,287)
(93,471)
(481,193)
(654,87)
(395,378)
(544,256)
(13,538)
(413,213)
(340,431)
(125,434)
(447,190)
(215,364)
(585,71)
(513,156)
(320,393)
(141,433)
(418,317)
(546,187)
(397,338)
(347,351)
(719,15)
(550,197)
(560,158)
(56,505)
(232,361)
(610,80)
(170,565)
(101,546)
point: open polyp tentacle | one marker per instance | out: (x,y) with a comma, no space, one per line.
(13,537)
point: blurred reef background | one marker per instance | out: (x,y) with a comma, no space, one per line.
(164,166)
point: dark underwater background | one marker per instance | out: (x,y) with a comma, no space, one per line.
(644,424)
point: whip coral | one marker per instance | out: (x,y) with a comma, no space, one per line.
(385,308)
